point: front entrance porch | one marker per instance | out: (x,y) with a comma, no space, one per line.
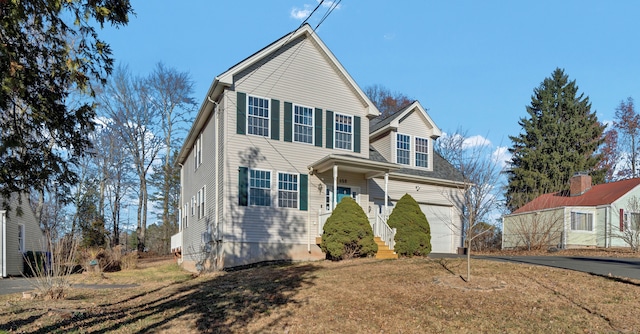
(337,168)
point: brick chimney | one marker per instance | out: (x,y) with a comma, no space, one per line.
(580,183)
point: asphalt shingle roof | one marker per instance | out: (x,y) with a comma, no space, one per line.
(601,194)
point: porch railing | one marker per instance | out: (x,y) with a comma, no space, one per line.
(378,225)
(381,229)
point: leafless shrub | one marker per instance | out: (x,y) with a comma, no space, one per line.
(52,270)
(630,230)
(534,230)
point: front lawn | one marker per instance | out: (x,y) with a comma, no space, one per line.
(415,295)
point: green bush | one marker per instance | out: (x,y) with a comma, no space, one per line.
(347,233)
(413,235)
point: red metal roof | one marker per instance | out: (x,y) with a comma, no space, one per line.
(600,194)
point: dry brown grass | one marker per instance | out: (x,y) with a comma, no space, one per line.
(358,296)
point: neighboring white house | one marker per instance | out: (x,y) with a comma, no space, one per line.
(587,216)
(18,234)
(279,139)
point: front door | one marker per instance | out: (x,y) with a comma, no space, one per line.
(343,192)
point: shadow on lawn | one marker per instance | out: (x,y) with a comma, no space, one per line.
(221,304)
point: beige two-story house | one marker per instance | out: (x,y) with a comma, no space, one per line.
(284,135)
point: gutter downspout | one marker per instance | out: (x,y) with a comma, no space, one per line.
(606,223)
(4,243)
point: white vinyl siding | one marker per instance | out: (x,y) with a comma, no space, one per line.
(631,221)
(403,149)
(343,132)
(259,187)
(581,221)
(303,124)
(422,152)
(258,116)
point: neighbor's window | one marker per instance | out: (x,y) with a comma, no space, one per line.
(21,238)
(403,149)
(632,221)
(303,125)
(581,221)
(287,190)
(259,187)
(258,116)
(343,132)
(422,152)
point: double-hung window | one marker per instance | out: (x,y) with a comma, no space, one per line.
(581,221)
(193,206)
(344,132)
(303,124)
(201,208)
(185,215)
(403,149)
(632,221)
(422,152)
(259,187)
(197,152)
(258,116)
(287,190)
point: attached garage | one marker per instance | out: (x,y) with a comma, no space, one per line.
(444,236)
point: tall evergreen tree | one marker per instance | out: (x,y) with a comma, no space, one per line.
(560,137)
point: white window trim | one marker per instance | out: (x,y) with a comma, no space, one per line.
(293,124)
(202,209)
(277,204)
(335,131)
(627,225)
(21,240)
(246,119)
(395,149)
(185,218)
(593,223)
(270,187)
(193,205)
(429,161)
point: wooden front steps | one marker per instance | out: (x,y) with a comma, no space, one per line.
(383,250)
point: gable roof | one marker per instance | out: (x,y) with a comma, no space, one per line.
(225,80)
(601,194)
(380,125)
(443,170)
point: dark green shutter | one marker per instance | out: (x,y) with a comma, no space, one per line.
(243,186)
(330,123)
(318,127)
(275,119)
(288,120)
(356,134)
(304,193)
(241,114)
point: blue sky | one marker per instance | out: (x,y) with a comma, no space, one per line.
(472,64)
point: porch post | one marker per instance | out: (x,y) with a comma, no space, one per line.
(335,187)
(386,193)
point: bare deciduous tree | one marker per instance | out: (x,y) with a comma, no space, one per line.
(630,232)
(126,101)
(534,230)
(480,170)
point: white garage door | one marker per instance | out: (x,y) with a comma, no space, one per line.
(442,234)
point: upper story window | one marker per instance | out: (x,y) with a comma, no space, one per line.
(258,116)
(344,132)
(303,124)
(422,152)
(403,149)
(581,221)
(259,187)
(287,190)
(197,152)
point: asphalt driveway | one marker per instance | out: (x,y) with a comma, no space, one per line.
(603,266)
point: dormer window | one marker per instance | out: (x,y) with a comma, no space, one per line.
(422,152)
(403,149)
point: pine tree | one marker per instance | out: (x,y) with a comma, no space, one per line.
(560,137)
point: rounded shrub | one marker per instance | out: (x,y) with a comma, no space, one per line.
(347,233)
(413,234)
